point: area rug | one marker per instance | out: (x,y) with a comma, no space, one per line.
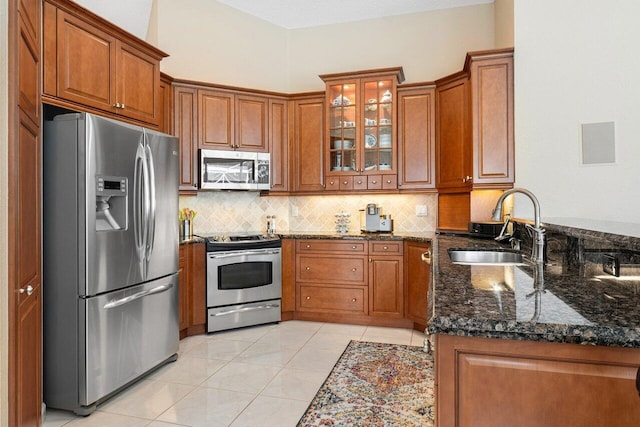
(375,384)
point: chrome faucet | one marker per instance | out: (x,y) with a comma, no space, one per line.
(537,250)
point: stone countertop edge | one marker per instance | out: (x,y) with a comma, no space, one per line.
(462,324)
(192,240)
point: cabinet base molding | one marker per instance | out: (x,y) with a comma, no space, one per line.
(353,320)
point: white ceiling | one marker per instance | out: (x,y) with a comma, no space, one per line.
(132,15)
(310,13)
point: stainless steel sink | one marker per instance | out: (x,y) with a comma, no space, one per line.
(473,256)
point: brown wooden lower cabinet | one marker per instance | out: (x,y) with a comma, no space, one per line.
(417,280)
(495,382)
(346,281)
(192,312)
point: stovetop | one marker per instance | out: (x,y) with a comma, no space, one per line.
(226,242)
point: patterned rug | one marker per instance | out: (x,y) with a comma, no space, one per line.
(375,385)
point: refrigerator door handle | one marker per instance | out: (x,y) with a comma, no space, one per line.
(138,295)
(151,198)
(139,203)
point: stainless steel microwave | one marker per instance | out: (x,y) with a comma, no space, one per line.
(234,170)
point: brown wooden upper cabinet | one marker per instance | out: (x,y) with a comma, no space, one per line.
(474,115)
(90,64)
(279,144)
(307,151)
(416,137)
(360,129)
(229,121)
(185,110)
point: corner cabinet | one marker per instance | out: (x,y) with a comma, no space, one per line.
(360,130)
(125,71)
(475,137)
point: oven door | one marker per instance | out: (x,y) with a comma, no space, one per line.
(243,276)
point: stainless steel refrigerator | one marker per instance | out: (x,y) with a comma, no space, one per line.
(110,246)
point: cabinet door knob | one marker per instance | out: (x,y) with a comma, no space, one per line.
(308,298)
(353,269)
(116,105)
(426,257)
(122,106)
(370,260)
(28,290)
(330,182)
(354,300)
(374,182)
(467,179)
(307,268)
(359,182)
(388,181)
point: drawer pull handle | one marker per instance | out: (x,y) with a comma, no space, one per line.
(354,247)
(374,182)
(344,182)
(330,182)
(359,182)
(353,300)
(308,298)
(308,246)
(385,247)
(388,181)
(426,257)
(307,268)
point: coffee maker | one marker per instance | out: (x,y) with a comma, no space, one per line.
(372,221)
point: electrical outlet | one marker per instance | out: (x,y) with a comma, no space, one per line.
(421,210)
(294,211)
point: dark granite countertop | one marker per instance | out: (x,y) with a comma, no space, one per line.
(578,304)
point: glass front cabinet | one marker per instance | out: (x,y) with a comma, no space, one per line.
(360,141)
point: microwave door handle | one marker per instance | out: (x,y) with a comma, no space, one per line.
(243,253)
(151,199)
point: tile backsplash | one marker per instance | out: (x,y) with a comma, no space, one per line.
(236,212)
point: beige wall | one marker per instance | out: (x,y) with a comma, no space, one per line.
(576,62)
(427,45)
(211,42)
(504,23)
(4,286)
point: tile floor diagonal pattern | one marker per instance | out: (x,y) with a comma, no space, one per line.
(258,376)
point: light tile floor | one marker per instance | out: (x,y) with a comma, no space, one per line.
(258,376)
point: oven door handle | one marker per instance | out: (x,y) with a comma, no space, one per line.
(242,253)
(241,310)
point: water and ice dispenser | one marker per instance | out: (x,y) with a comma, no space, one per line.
(111,203)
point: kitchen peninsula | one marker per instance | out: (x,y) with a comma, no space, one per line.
(565,353)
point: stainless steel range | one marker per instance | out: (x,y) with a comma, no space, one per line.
(244,281)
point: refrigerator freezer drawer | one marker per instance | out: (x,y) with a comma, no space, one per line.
(128,332)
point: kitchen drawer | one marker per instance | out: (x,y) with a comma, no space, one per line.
(333,299)
(331,269)
(332,246)
(385,247)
